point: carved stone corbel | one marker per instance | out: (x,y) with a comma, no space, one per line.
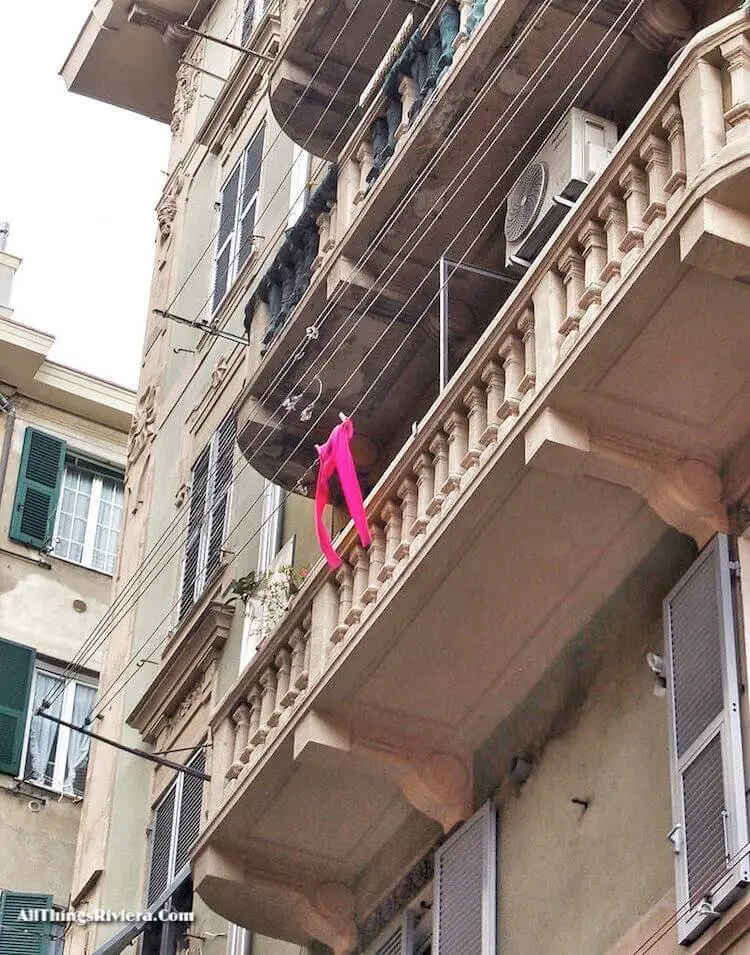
(439,785)
(686,492)
(327,914)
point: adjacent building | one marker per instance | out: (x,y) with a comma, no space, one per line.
(512,241)
(62,461)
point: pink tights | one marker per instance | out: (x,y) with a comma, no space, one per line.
(336,456)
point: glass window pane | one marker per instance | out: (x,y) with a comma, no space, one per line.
(73,514)
(109,520)
(42,747)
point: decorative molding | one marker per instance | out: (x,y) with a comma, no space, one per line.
(183,680)
(221,375)
(405,891)
(143,428)
(184,97)
(166,210)
(685,491)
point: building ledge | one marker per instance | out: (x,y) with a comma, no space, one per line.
(119,60)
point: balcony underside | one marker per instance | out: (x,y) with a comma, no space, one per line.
(121,61)
(381,267)
(328,55)
(549,528)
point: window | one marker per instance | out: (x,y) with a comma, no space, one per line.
(298,184)
(465,908)
(709,834)
(89,517)
(67,504)
(252,12)
(56,756)
(27,937)
(210,492)
(237,218)
(177,820)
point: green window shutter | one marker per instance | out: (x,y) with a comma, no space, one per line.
(38,488)
(18,936)
(17,668)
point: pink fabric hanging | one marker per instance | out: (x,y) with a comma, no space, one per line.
(336,456)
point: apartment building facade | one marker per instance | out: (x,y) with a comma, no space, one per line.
(64,441)
(518,719)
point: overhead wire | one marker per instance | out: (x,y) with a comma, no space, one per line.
(625,13)
(246,462)
(376,343)
(134,579)
(73,665)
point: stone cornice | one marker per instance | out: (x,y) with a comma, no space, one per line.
(182,669)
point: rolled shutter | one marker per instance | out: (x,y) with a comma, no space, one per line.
(38,489)
(249,199)
(191,806)
(19,936)
(198,495)
(161,869)
(221,487)
(248,20)
(223,265)
(708,792)
(17,669)
(401,940)
(465,910)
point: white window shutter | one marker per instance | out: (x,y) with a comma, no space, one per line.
(465,907)
(400,941)
(708,790)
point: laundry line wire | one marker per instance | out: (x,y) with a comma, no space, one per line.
(181,514)
(530,26)
(74,663)
(630,15)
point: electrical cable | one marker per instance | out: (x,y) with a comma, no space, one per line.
(553,107)
(74,663)
(253,502)
(177,517)
(637,4)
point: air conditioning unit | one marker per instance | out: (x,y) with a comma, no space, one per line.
(577,149)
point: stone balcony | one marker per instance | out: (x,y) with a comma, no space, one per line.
(607,401)
(329,52)
(403,197)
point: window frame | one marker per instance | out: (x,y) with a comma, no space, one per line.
(73,463)
(175,877)
(241,210)
(64,732)
(299,178)
(206,520)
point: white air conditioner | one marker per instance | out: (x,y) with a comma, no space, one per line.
(576,150)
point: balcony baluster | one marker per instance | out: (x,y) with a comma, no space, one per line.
(346,592)
(241,720)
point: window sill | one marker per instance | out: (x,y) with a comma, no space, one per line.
(60,794)
(74,563)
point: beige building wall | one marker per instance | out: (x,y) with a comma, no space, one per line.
(584,874)
(189,381)
(46,602)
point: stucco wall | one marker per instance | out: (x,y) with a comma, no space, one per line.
(37,848)
(36,603)
(582,876)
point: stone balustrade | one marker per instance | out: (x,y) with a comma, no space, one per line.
(276,687)
(301,253)
(408,85)
(698,118)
